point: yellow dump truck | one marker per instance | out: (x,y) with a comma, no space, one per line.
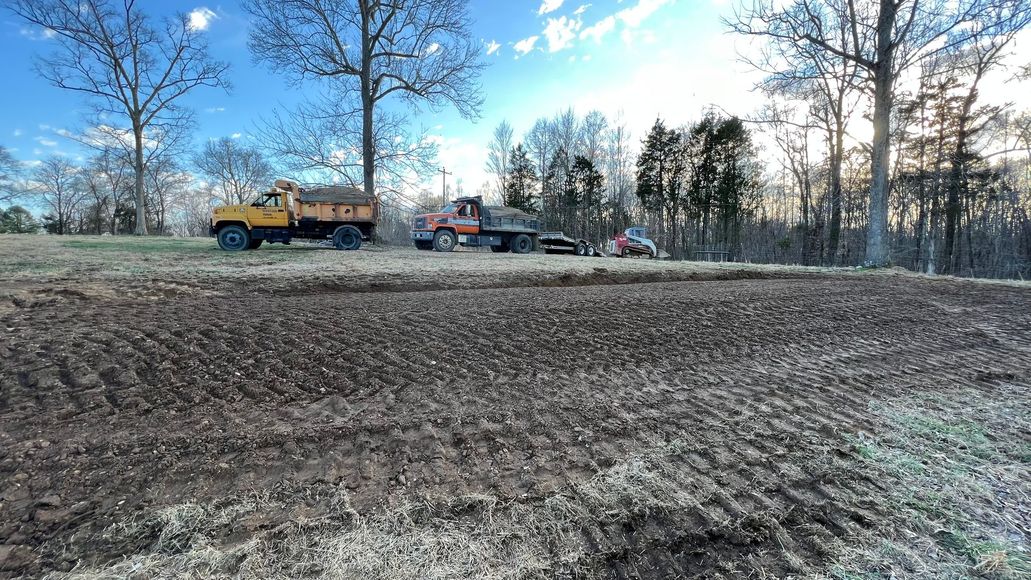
(286,211)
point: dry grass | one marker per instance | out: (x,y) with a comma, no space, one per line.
(477,536)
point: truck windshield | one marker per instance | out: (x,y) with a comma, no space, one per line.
(450,208)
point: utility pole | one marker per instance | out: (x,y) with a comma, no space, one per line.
(443,185)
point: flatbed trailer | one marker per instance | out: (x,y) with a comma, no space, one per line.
(560,243)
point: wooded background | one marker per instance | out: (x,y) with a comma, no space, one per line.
(942,186)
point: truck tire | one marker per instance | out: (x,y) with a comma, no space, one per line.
(521,244)
(591,251)
(581,249)
(444,241)
(234,238)
(347,238)
(255,244)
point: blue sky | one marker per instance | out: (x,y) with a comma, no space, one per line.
(634,58)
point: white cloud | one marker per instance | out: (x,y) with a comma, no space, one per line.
(17,133)
(525,45)
(561,32)
(215,110)
(236,135)
(46,142)
(431,49)
(201,17)
(633,17)
(492,47)
(37,33)
(548,6)
(600,29)
(583,8)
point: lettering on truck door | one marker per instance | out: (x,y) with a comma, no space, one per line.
(267,211)
(467,220)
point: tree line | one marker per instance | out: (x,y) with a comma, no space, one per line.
(940,186)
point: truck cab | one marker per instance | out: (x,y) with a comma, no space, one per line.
(466,221)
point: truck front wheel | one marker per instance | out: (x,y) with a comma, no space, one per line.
(444,241)
(234,238)
(521,244)
(347,238)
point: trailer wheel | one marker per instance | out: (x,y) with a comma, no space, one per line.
(591,251)
(581,249)
(234,238)
(347,238)
(444,241)
(255,244)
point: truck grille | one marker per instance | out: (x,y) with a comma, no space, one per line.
(420,223)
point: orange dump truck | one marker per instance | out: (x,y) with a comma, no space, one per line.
(287,211)
(467,222)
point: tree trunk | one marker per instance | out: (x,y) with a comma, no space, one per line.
(835,225)
(138,168)
(368,103)
(877,251)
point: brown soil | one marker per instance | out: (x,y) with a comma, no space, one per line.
(113,407)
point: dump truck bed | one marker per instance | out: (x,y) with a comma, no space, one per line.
(507,219)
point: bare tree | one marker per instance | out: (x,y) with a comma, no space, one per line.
(592,136)
(620,166)
(236,171)
(986,49)
(111,52)
(540,142)
(10,170)
(57,186)
(167,182)
(498,153)
(320,141)
(421,51)
(882,39)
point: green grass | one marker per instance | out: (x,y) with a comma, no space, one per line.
(943,465)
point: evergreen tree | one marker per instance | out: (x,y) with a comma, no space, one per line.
(585,193)
(521,182)
(17,220)
(661,169)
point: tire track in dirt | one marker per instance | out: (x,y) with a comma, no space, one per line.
(515,392)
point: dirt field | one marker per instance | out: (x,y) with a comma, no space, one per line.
(168,410)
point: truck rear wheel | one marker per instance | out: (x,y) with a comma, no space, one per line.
(347,238)
(234,238)
(444,241)
(521,244)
